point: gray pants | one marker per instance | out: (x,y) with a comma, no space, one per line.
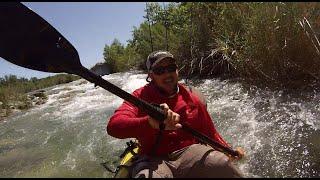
(193,161)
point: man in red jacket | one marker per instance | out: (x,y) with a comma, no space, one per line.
(169,151)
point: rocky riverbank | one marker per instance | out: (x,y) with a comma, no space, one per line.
(32,99)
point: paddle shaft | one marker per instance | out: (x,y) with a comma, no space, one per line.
(29,41)
(153,111)
(209,141)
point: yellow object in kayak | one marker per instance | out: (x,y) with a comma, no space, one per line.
(123,170)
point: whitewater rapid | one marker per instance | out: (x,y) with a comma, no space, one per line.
(66,137)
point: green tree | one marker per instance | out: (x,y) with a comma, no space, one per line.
(269,43)
(112,53)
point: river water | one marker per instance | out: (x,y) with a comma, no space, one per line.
(66,136)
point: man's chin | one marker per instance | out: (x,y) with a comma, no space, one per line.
(170,89)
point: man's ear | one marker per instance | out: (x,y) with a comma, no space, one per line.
(149,77)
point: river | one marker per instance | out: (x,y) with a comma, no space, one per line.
(66,137)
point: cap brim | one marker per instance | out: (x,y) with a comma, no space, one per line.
(160,59)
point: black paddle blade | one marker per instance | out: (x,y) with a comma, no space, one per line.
(27,40)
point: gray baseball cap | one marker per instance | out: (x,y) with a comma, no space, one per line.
(156,56)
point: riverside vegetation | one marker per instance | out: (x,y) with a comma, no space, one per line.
(273,44)
(15,92)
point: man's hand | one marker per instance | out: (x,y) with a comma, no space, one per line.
(240,152)
(171,122)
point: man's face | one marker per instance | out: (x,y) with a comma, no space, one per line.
(162,76)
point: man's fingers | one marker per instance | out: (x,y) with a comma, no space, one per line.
(169,115)
(164,106)
(241,154)
(176,117)
(178,125)
(172,119)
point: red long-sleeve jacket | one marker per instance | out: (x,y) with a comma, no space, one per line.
(130,122)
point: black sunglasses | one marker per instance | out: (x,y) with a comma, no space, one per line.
(162,69)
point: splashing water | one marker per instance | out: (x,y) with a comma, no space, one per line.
(66,136)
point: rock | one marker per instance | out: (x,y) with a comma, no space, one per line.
(40,101)
(33,98)
(100,69)
(235,98)
(37,97)
(38,93)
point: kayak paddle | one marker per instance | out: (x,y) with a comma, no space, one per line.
(27,40)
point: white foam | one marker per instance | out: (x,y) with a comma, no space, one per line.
(70,160)
(244,118)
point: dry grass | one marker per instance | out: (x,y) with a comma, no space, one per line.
(270,43)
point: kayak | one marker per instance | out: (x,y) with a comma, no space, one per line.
(126,162)
(123,170)
(129,156)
